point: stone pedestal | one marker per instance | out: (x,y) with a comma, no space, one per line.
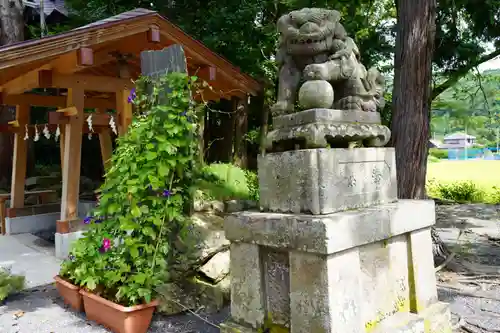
(333,250)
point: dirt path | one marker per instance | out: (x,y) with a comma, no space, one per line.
(474,297)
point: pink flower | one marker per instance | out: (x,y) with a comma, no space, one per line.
(106,244)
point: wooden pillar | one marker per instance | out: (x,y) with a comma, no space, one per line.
(61,147)
(123,110)
(73,131)
(20,157)
(106,145)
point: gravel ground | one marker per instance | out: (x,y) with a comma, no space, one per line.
(41,310)
(474,315)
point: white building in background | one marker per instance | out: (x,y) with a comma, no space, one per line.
(458,141)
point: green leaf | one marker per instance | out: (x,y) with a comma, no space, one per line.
(136,211)
(134,252)
(140,278)
(151,155)
(148,231)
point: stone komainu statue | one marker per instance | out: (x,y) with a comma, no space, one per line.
(314,45)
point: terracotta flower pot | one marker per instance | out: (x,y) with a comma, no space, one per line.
(118,318)
(70,293)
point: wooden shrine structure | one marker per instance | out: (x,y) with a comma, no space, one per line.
(92,67)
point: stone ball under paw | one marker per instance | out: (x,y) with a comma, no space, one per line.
(316,94)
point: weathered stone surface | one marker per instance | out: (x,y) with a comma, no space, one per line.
(402,322)
(247,301)
(437,318)
(191,295)
(330,233)
(384,277)
(323,181)
(208,287)
(325,116)
(318,135)
(231,327)
(277,285)
(325,293)
(217,268)
(314,45)
(233,206)
(316,94)
(209,229)
(422,269)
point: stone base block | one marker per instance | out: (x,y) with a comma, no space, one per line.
(325,116)
(434,319)
(231,327)
(323,181)
(321,128)
(344,272)
(403,322)
(31,223)
(64,241)
(437,318)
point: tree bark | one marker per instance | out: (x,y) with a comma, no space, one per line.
(411,97)
(240,131)
(11,31)
(411,102)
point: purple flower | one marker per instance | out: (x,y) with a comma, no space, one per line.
(166,193)
(132,96)
(99,220)
(71,257)
(87,220)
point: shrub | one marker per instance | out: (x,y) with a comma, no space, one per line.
(462,191)
(432,159)
(253,185)
(495,195)
(9,283)
(438,153)
(139,236)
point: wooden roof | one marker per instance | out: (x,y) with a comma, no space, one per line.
(125,35)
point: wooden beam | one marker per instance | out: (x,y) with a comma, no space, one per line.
(106,144)
(123,110)
(68,112)
(72,157)
(30,80)
(154,34)
(54,101)
(4,128)
(19,161)
(74,61)
(98,119)
(14,123)
(90,82)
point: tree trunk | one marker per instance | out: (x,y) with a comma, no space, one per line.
(411,97)
(240,131)
(11,31)
(411,101)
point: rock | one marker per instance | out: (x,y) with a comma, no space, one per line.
(208,286)
(217,268)
(233,206)
(192,295)
(209,229)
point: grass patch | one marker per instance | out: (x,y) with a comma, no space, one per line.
(231,182)
(457,176)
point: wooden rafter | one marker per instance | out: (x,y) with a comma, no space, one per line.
(55,101)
